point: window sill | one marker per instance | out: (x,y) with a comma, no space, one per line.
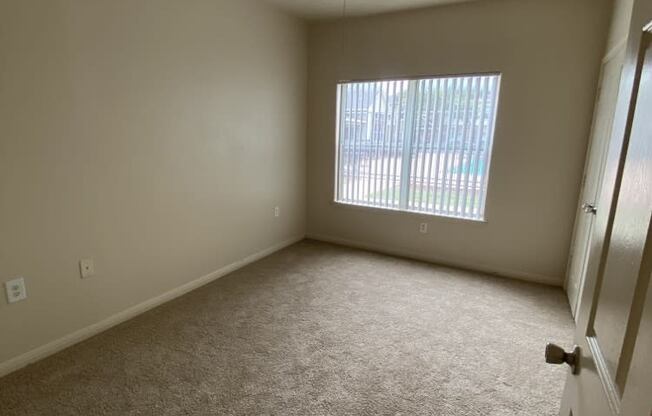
(399,212)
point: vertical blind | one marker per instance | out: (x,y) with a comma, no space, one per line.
(420,145)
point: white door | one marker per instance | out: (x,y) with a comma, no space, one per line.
(596,156)
(613,373)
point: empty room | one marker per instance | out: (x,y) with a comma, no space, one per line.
(326,207)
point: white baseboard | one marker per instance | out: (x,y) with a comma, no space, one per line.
(529,277)
(55,346)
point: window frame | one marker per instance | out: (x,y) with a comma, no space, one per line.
(399,211)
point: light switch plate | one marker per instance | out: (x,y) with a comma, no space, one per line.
(86,268)
(16,290)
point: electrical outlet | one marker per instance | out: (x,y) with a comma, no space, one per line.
(86,268)
(16,290)
(423,228)
(277,212)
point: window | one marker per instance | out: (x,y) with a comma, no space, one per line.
(420,145)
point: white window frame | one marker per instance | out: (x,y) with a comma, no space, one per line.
(404,190)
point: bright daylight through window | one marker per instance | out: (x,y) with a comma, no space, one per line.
(420,145)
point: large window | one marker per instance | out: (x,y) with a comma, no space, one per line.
(421,145)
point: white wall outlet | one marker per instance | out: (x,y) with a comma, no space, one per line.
(16,290)
(277,212)
(86,268)
(423,228)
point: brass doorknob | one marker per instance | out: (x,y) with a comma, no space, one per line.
(556,355)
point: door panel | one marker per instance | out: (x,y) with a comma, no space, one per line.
(611,314)
(637,399)
(596,156)
(630,230)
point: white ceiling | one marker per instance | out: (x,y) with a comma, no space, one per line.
(323,9)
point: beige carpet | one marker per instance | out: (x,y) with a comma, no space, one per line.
(317,329)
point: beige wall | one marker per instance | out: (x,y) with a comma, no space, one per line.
(155,136)
(549,54)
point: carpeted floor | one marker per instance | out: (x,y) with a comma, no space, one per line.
(317,329)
